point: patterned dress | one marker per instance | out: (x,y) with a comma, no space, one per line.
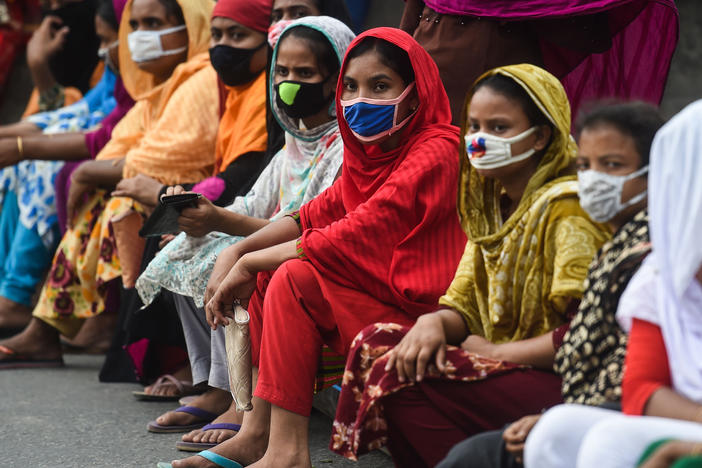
(591,359)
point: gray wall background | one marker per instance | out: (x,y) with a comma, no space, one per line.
(684,82)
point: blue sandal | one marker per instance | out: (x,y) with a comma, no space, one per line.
(199,413)
(198,446)
(218,460)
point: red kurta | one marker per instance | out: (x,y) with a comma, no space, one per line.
(381,244)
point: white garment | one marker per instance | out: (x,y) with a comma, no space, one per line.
(578,436)
(665,291)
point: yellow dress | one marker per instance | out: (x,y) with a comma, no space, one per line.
(517,278)
(169,135)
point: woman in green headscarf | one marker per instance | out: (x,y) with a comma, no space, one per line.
(518,283)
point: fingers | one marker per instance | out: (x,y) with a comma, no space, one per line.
(209,316)
(441,358)
(423,358)
(392,355)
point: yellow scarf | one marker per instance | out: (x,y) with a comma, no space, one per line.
(517,278)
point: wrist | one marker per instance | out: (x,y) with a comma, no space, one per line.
(223,220)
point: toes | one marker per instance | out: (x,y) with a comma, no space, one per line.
(191,436)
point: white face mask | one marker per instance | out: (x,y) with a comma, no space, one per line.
(104,54)
(146,45)
(601,194)
(487,151)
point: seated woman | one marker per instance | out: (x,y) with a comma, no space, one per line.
(614,143)
(518,283)
(28,215)
(308,57)
(169,133)
(661,310)
(236,172)
(380,244)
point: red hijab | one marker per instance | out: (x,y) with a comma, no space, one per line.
(389,225)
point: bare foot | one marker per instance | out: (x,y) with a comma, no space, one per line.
(13,314)
(217,436)
(39,341)
(169,389)
(246,448)
(213,400)
(95,335)
(292,460)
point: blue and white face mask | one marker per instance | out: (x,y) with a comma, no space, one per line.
(373,119)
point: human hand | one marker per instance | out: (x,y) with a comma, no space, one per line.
(425,340)
(165,240)
(78,188)
(48,39)
(238,285)
(141,188)
(478,345)
(9,152)
(200,220)
(669,452)
(516,434)
(175,190)
(226,260)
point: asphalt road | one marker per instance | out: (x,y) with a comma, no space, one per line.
(65,417)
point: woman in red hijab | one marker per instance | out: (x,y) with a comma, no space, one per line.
(381,244)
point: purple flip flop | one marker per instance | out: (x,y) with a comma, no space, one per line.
(205,416)
(198,446)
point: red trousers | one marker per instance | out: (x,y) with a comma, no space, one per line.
(294,311)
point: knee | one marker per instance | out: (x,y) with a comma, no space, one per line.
(606,443)
(480,450)
(291,275)
(548,443)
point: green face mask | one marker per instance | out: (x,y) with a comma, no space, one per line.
(299,99)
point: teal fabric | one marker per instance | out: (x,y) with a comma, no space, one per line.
(23,256)
(219,459)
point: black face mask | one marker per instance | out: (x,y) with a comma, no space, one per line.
(299,99)
(74,64)
(233,64)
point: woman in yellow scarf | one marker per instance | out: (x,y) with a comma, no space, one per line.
(169,135)
(485,357)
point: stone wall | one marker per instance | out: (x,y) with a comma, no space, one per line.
(685,79)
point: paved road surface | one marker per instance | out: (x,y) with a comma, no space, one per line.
(65,417)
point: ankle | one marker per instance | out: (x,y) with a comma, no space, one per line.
(43,332)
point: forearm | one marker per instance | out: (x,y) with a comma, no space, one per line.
(41,75)
(454,326)
(236,224)
(104,174)
(19,129)
(537,352)
(56,147)
(666,403)
(278,232)
(270,258)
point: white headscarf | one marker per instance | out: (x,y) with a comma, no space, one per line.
(665,291)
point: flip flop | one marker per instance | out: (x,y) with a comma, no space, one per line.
(218,460)
(206,417)
(184,387)
(197,446)
(20,361)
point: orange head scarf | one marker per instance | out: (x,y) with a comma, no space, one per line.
(242,128)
